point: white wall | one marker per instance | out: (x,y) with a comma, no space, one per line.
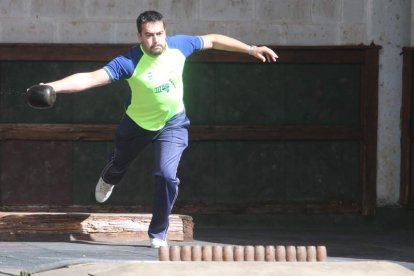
(283,22)
(412,24)
(388,23)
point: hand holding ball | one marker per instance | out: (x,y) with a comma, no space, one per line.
(41,96)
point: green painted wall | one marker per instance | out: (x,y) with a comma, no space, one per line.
(211,172)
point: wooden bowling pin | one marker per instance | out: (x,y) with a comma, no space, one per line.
(280,253)
(249,253)
(185,253)
(217,253)
(321,253)
(301,253)
(291,253)
(175,253)
(164,253)
(207,253)
(238,253)
(259,253)
(228,253)
(270,253)
(311,253)
(196,253)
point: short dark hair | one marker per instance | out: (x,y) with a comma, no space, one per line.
(149,16)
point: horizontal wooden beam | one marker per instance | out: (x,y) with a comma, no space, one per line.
(269,208)
(105,52)
(302,55)
(61,52)
(263,132)
(205,208)
(57,132)
(89,132)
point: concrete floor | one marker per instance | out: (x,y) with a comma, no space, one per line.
(360,248)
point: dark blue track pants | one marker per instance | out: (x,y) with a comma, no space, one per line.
(168,144)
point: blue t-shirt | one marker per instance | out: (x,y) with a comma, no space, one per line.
(156,82)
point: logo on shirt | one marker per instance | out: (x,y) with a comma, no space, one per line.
(164,87)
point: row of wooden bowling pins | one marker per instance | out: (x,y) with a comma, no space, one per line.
(243,253)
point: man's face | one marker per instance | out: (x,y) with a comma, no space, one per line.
(152,37)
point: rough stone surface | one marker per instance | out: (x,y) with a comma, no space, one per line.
(388,26)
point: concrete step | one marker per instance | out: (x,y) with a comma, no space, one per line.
(377,268)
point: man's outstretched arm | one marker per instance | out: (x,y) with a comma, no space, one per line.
(81,81)
(225,43)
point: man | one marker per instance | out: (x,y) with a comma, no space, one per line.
(155,112)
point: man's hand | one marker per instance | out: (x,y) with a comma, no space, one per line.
(263,53)
(222,42)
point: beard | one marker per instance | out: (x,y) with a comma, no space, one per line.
(157,49)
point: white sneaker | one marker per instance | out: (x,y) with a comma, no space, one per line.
(103,191)
(157,243)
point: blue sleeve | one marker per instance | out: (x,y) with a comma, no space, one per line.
(123,66)
(187,44)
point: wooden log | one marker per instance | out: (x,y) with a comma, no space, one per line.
(91,226)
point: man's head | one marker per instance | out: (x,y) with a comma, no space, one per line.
(151,32)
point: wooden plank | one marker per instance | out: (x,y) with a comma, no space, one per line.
(363,122)
(251,132)
(197,132)
(407,131)
(205,208)
(94,226)
(369,102)
(57,132)
(270,208)
(105,52)
(61,52)
(289,54)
